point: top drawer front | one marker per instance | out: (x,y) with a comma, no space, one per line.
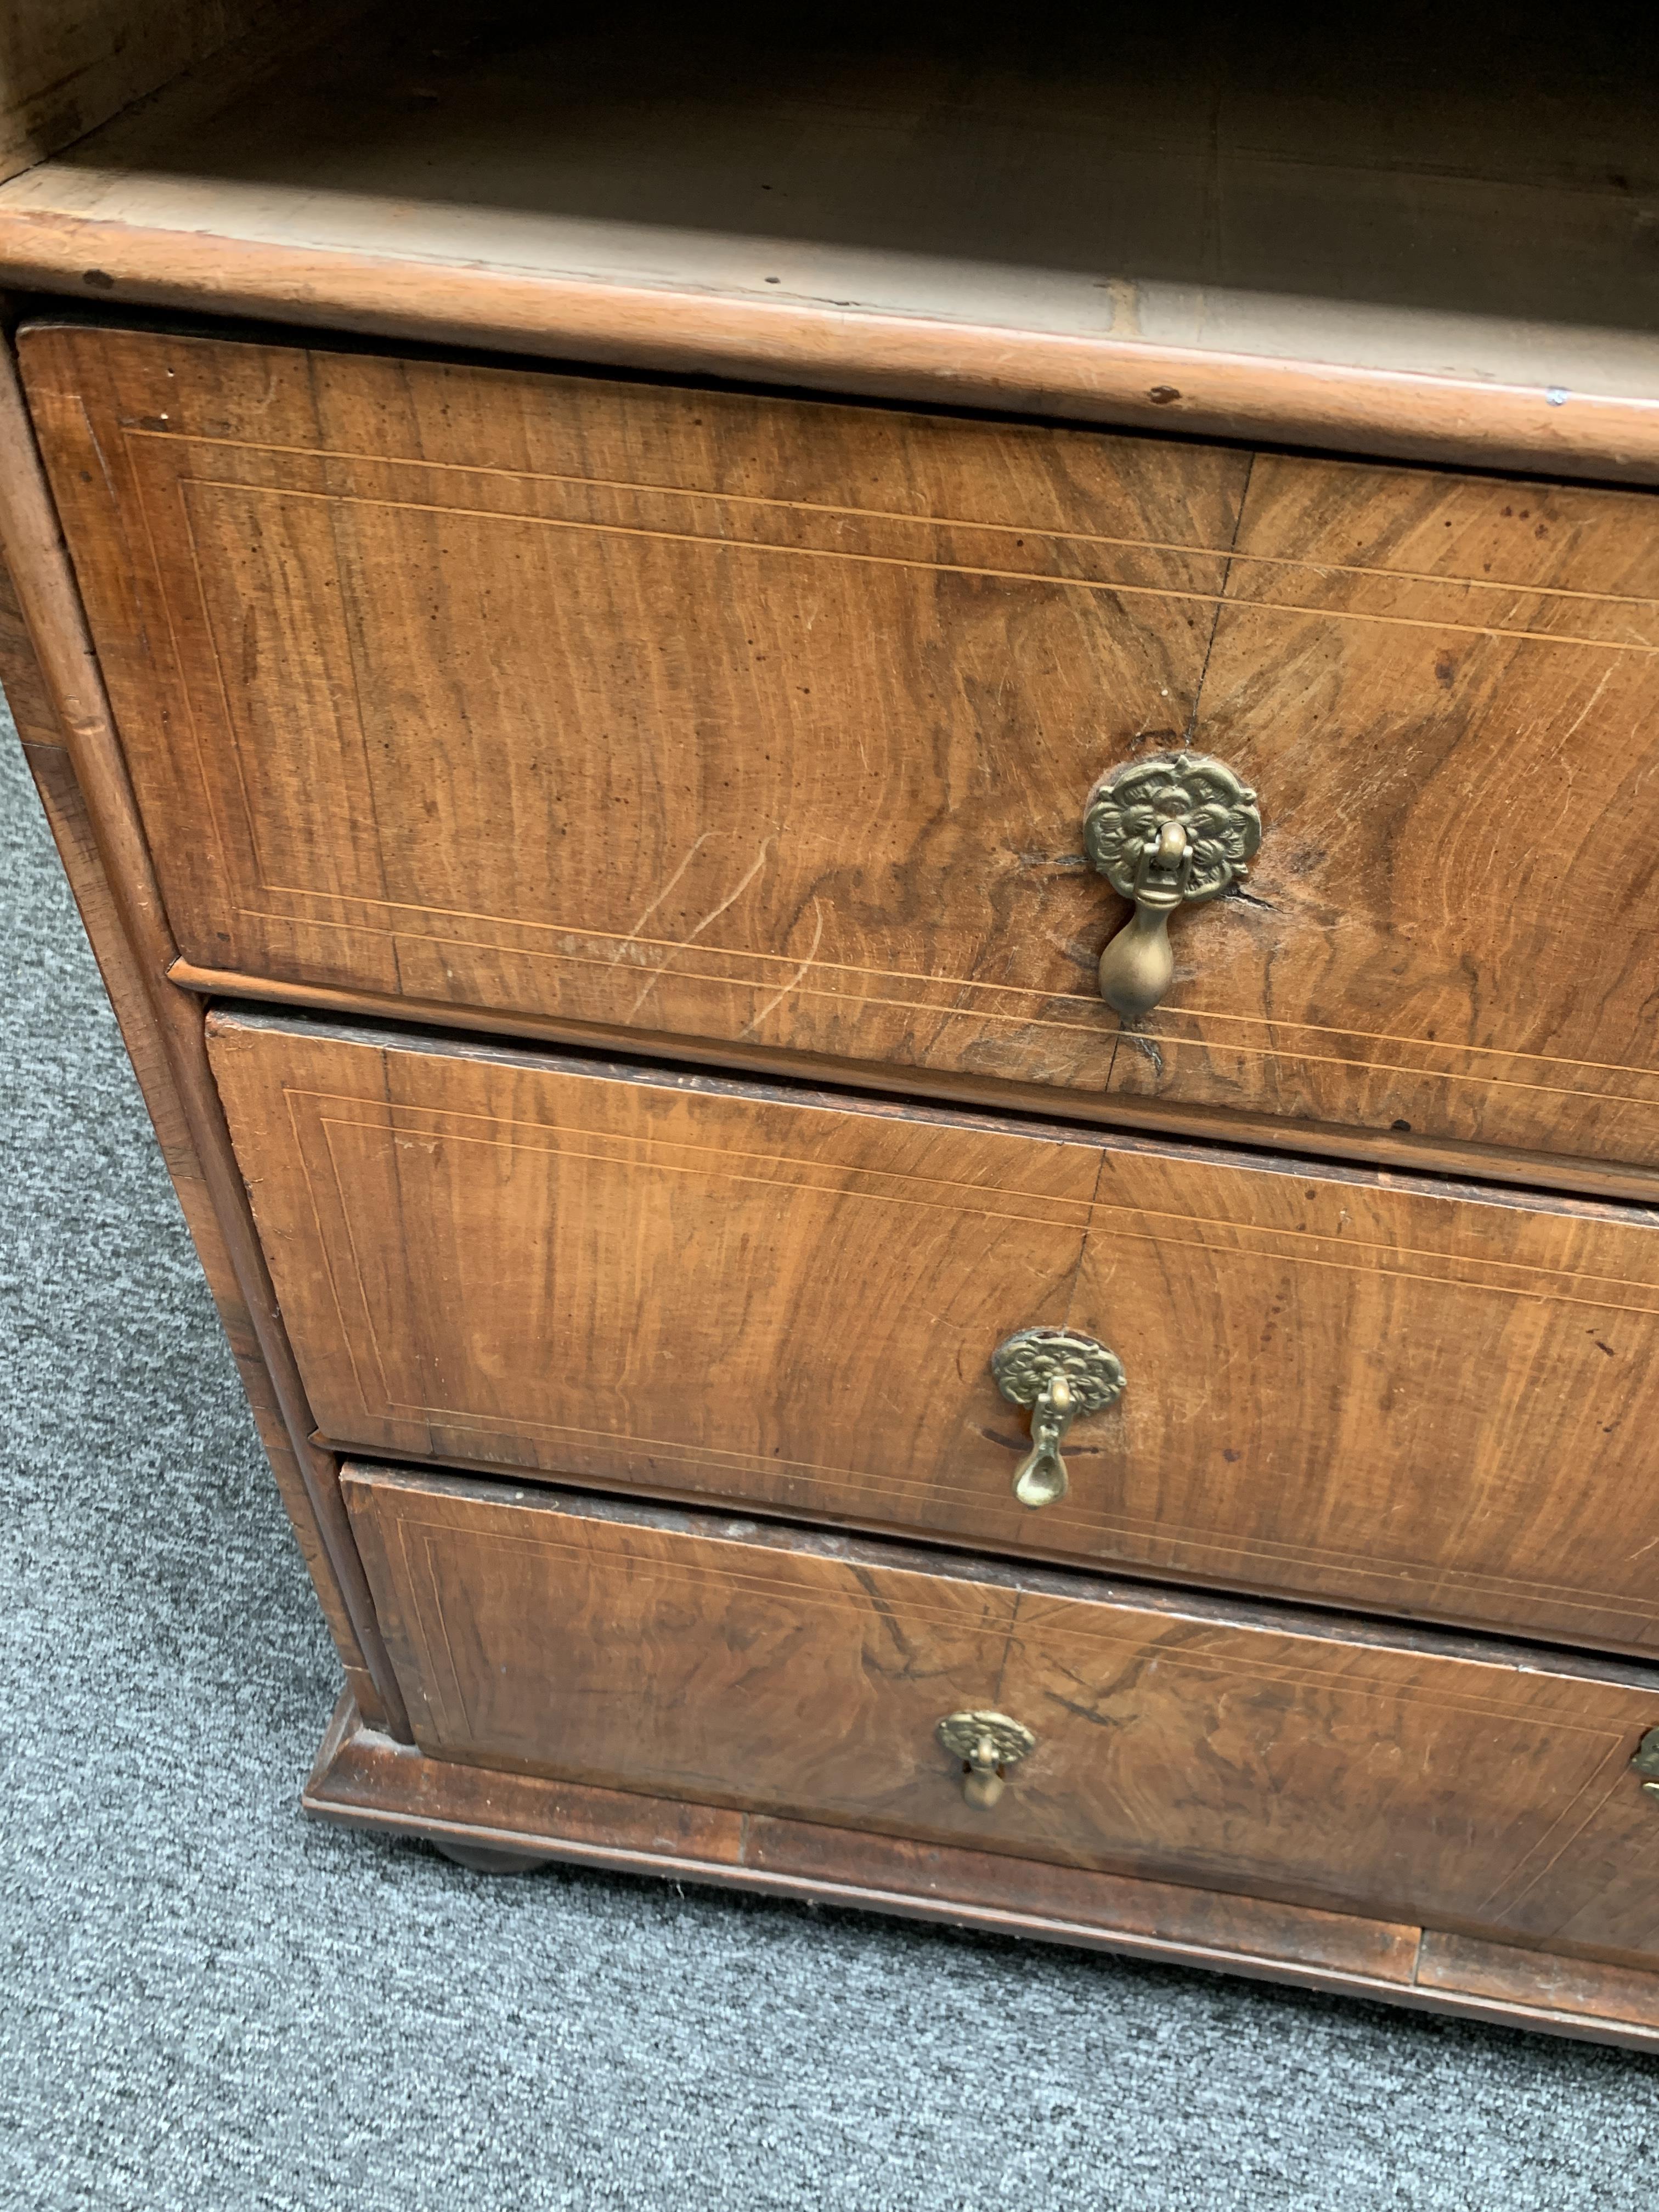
(773,721)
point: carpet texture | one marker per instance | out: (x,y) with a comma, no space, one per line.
(211,2001)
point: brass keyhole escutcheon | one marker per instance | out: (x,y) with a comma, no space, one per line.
(1060,1375)
(1170,830)
(986,1744)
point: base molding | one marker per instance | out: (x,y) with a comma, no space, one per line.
(367,1780)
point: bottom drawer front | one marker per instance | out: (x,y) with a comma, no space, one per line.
(1296,1756)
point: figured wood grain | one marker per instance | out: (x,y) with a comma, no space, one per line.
(94,819)
(1115,1110)
(1293,1757)
(1378,235)
(1452,924)
(679,722)
(363,1780)
(1424,1399)
(772,723)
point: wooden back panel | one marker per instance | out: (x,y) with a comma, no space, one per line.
(1415,1399)
(68,65)
(1293,1757)
(768,722)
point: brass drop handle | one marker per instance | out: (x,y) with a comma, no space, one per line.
(1167,832)
(1058,1374)
(986,1744)
(1646,1761)
(1041,1476)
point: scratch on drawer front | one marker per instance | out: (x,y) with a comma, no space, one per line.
(1584,712)
(1148,1045)
(755,1020)
(714,914)
(623,943)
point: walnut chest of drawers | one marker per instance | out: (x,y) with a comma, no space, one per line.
(915,1050)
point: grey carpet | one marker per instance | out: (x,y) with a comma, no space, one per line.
(210,2001)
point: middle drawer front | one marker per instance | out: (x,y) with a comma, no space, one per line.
(1417,1398)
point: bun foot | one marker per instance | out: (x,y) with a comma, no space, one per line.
(483,1858)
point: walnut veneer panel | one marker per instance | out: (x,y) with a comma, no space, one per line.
(763,721)
(1414,1398)
(1447,689)
(776,1672)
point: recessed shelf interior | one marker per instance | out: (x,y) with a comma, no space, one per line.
(1398,190)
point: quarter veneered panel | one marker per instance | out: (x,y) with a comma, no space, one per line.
(1414,1398)
(1295,1758)
(627,703)
(771,722)
(1447,690)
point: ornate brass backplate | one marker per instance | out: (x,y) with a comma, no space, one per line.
(986,1744)
(1170,831)
(1646,1761)
(1058,1374)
